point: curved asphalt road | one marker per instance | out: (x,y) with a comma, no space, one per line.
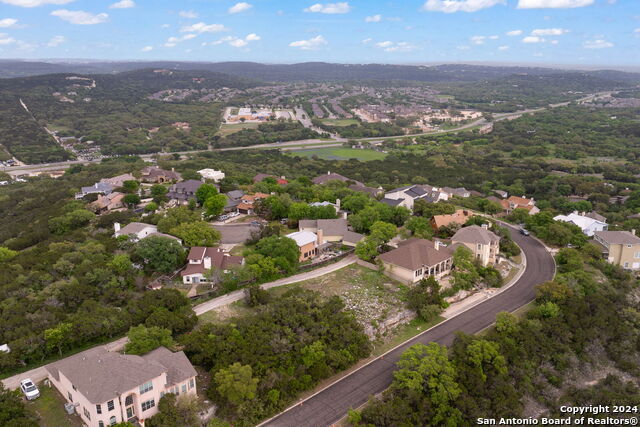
(331,404)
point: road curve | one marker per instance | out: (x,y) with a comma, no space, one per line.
(332,403)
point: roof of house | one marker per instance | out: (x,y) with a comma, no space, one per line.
(520,201)
(352,237)
(189,186)
(364,189)
(235,194)
(618,237)
(254,197)
(460,191)
(98,187)
(329,227)
(391,202)
(104,201)
(595,215)
(475,234)
(303,237)
(459,217)
(167,236)
(100,375)
(330,176)
(135,228)
(415,253)
(581,221)
(219,259)
(117,181)
(154,172)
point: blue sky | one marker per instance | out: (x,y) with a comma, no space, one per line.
(587,32)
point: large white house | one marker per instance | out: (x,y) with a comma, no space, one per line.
(587,224)
(108,387)
(211,174)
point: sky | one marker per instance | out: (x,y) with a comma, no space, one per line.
(576,32)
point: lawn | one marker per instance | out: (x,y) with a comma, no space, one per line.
(226,129)
(340,122)
(341,153)
(49,408)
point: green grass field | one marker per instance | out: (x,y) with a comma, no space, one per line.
(340,122)
(49,408)
(341,154)
(235,127)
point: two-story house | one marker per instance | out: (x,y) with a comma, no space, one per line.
(484,244)
(109,388)
(515,202)
(416,259)
(184,191)
(620,248)
(157,175)
(202,259)
(308,243)
(404,196)
(459,217)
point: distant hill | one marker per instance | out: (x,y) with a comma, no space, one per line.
(309,71)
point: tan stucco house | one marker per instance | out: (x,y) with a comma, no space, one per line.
(620,248)
(108,388)
(483,243)
(308,243)
(416,259)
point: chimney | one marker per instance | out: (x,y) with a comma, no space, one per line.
(436,245)
(116,226)
(633,231)
(485,226)
(320,235)
(328,172)
(337,204)
(173,169)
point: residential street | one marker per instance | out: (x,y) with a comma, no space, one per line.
(332,403)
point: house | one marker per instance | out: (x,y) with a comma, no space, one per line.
(587,225)
(515,202)
(323,179)
(484,243)
(156,175)
(373,192)
(458,192)
(261,176)
(247,203)
(407,195)
(416,259)
(620,248)
(138,231)
(97,188)
(118,181)
(202,259)
(308,243)
(184,191)
(108,387)
(333,230)
(211,174)
(595,215)
(234,197)
(501,193)
(108,203)
(459,217)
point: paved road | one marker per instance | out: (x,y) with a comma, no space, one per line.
(332,403)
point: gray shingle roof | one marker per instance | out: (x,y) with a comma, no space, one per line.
(618,237)
(416,253)
(475,234)
(391,202)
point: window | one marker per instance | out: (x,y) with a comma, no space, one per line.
(191,383)
(184,388)
(86,413)
(626,265)
(112,420)
(161,394)
(69,396)
(100,424)
(148,405)
(636,255)
(99,409)
(629,246)
(146,387)
(129,400)
(74,387)
(479,246)
(110,405)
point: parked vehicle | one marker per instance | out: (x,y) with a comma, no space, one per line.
(29,389)
(524,232)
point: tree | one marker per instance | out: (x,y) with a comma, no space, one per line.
(142,339)
(198,233)
(13,412)
(159,193)
(176,216)
(236,383)
(121,264)
(383,232)
(58,336)
(151,207)
(483,354)
(204,192)
(283,250)
(425,299)
(130,186)
(367,249)
(419,227)
(506,323)
(176,411)
(160,254)
(214,205)
(7,254)
(465,274)
(131,200)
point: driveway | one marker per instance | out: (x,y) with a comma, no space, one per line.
(235,234)
(332,403)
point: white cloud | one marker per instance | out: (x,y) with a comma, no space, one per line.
(553,4)
(189,14)
(201,27)
(549,32)
(597,44)
(56,41)
(312,44)
(451,6)
(329,8)
(514,33)
(637,30)
(34,3)
(8,22)
(123,4)
(5,39)
(503,48)
(374,18)
(235,41)
(477,39)
(238,43)
(252,37)
(80,17)
(367,40)
(172,41)
(533,39)
(165,26)
(147,49)
(240,7)
(390,46)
